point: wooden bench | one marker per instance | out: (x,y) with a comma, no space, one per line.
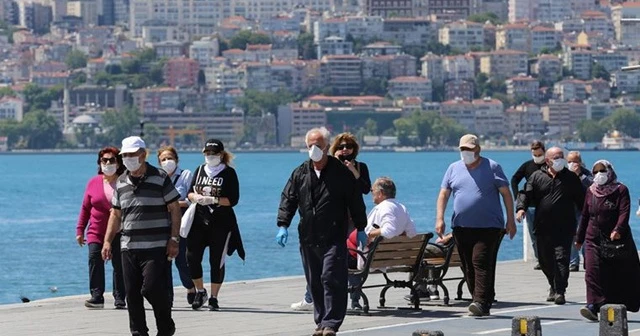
(447,256)
(396,255)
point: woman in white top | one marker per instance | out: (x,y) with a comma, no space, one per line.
(181,178)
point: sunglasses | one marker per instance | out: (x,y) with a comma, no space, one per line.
(600,171)
(346,146)
(108,160)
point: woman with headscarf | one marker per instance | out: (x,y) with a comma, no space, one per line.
(610,279)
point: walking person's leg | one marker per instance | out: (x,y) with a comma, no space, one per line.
(546,252)
(132,273)
(118,278)
(562,250)
(312,265)
(96,277)
(217,254)
(183,271)
(464,243)
(531,212)
(335,274)
(154,289)
(169,278)
(484,264)
(196,244)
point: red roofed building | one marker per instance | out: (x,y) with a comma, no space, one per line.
(181,72)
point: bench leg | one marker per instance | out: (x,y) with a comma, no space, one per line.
(445,294)
(365,302)
(383,293)
(460,284)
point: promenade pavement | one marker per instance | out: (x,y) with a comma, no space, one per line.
(261,307)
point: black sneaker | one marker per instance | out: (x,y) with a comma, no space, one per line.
(537,267)
(94,303)
(574,268)
(355,305)
(213,304)
(120,304)
(589,312)
(191,297)
(552,295)
(199,300)
(478,309)
(560,300)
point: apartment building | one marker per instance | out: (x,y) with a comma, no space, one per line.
(564,117)
(149,101)
(205,51)
(462,35)
(611,60)
(459,89)
(599,90)
(195,17)
(11,108)
(522,87)
(504,63)
(450,9)
(181,72)
(334,45)
(385,8)
(544,38)
(410,86)
(255,76)
(343,73)
(626,82)
(525,119)
(514,36)
(222,78)
(295,119)
(432,68)
(458,67)
(570,90)
(579,61)
(626,21)
(547,67)
(86,9)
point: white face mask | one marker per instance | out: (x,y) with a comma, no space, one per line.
(132,163)
(212,160)
(572,166)
(468,157)
(600,178)
(109,169)
(315,153)
(169,166)
(559,164)
(538,159)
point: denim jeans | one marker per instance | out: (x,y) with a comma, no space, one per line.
(530,218)
(575,254)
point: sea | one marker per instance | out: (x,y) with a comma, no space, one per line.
(41,194)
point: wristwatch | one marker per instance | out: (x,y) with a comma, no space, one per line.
(176,239)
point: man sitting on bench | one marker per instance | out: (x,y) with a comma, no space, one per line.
(389,218)
(430,292)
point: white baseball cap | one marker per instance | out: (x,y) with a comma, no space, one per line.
(132,144)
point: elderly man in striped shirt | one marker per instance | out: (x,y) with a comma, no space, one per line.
(143,201)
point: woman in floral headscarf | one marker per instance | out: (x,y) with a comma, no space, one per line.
(605,217)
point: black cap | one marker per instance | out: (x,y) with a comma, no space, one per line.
(213,145)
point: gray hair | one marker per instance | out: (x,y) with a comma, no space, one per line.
(322,130)
(386,186)
(577,154)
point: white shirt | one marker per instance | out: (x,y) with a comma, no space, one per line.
(392,218)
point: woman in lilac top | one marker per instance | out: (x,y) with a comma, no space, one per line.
(95,210)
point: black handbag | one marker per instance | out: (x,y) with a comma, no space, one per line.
(614,249)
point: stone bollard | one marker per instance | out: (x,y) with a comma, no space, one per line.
(613,320)
(526,326)
(427,333)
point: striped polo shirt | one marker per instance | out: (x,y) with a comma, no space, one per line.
(146,222)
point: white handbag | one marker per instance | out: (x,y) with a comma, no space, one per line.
(187,220)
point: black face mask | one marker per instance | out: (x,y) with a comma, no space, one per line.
(349,157)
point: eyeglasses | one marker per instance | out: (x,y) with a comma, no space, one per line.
(108,160)
(346,146)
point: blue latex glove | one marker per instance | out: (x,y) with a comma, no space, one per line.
(362,239)
(281,237)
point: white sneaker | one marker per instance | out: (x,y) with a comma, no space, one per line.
(302,306)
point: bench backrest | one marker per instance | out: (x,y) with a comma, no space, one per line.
(454,258)
(400,251)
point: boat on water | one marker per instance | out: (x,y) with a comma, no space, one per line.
(618,141)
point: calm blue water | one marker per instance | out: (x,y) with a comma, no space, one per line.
(41,195)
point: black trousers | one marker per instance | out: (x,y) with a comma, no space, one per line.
(145,274)
(554,251)
(325,269)
(97,272)
(201,236)
(478,249)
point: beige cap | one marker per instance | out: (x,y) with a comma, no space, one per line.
(468,141)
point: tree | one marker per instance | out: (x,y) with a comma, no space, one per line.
(12,129)
(306,48)
(146,55)
(7,91)
(484,17)
(591,130)
(152,133)
(76,59)
(41,130)
(599,71)
(375,86)
(254,103)
(119,125)
(371,127)
(244,37)
(404,129)
(39,98)
(113,69)
(624,120)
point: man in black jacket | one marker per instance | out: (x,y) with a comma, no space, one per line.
(557,192)
(324,192)
(524,172)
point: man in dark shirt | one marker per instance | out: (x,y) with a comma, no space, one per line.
(524,172)
(324,192)
(557,192)
(575,165)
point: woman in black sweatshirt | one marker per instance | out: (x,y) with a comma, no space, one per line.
(216,190)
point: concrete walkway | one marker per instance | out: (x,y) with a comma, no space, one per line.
(261,307)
